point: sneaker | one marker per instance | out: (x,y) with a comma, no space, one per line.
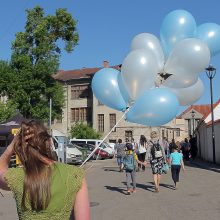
(129,192)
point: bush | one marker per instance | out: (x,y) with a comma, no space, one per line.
(83,131)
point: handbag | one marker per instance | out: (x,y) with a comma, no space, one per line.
(165,168)
(158,153)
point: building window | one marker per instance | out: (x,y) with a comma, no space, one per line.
(112,118)
(79,114)
(101,122)
(80,91)
(112,141)
(178,132)
(128,136)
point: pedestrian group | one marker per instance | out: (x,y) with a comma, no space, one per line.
(161,155)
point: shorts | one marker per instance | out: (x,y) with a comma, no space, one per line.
(119,161)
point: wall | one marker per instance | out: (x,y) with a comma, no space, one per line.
(204,134)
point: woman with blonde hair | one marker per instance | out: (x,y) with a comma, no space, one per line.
(43,188)
(157,159)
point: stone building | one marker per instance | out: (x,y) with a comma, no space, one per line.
(81,105)
(193,115)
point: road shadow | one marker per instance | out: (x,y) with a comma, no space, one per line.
(113,169)
(168,186)
(200,164)
(143,186)
(121,190)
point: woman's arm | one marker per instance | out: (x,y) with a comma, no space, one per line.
(82,206)
(4,164)
(182,164)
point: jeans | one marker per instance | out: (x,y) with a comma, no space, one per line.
(131,178)
(175,170)
(119,161)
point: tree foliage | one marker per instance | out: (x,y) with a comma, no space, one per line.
(35,58)
(7,110)
(83,131)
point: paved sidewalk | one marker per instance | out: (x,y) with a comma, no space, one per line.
(198,197)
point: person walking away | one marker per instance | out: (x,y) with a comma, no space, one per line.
(134,144)
(42,187)
(120,152)
(186,149)
(172,145)
(142,149)
(165,145)
(179,147)
(129,165)
(157,159)
(176,160)
(194,148)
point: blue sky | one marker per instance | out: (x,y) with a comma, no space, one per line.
(106,28)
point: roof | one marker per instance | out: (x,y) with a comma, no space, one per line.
(216,121)
(216,112)
(202,109)
(66,75)
(205,110)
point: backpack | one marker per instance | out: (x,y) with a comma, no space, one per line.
(156,150)
(128,161)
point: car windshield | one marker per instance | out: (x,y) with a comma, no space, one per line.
(71,145)
(102,146)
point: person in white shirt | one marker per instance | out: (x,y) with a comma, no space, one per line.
(142,149)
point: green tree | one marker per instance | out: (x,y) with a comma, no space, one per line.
(7,110)
(35,58)
(80,130)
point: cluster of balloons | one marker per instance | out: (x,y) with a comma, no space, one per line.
(182,53)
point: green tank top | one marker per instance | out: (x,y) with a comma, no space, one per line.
(65,183)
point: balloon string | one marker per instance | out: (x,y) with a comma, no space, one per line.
(104,138)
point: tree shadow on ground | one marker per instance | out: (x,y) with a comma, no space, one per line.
(122,190)
(200,164)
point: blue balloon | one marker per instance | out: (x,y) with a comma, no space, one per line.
(106,90)
(155,107)
(123,89)
(176,26)
(210,34)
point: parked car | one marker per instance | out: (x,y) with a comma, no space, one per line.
(112,145)
(86,147)
(73,154)
(66,152)
(101,154)
(105,146)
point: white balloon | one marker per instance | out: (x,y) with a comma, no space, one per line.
(181,81)
(188,96)
(190,56)
(139,70)
(149,42)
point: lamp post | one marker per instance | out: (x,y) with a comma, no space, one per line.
(210,72)
(193,116)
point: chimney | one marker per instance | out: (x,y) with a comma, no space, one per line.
(105,64)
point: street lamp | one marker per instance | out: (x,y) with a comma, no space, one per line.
(193,113)
(210,72)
